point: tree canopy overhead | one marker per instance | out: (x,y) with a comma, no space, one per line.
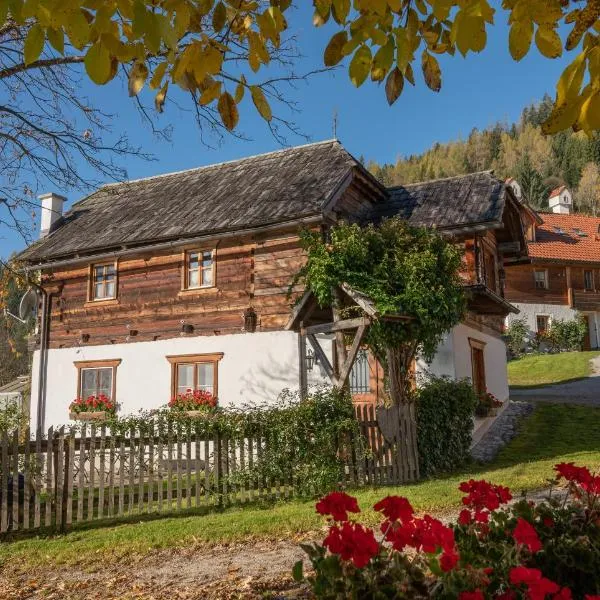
(404,270)
(214,48)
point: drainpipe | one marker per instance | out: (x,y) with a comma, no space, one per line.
(41,402)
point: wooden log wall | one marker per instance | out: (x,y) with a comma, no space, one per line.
(252,272)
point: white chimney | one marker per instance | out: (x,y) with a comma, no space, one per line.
(561,200)
(52,211)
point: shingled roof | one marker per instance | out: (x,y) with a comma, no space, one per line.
(454,202)
(271,188)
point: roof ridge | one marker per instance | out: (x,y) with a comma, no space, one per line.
(488,171)
(220,164)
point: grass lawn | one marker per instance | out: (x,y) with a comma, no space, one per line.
(554,433)
(544,369)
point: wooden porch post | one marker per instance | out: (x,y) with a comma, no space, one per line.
(302,370)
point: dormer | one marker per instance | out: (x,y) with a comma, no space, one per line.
(561,200)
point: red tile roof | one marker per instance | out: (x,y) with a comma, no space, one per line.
(557,191)
(567,237)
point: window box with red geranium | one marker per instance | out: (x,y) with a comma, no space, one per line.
(193,403)
(488,405)
(92,408)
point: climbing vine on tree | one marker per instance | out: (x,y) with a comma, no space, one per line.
(215,48)
(404,270)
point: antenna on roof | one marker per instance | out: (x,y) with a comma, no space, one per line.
(335,122)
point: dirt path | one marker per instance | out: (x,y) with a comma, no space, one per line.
(222,572)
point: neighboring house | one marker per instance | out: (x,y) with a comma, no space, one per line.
(16,391)
(181,280)
(563,276)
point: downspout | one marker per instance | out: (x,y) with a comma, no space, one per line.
(41,402)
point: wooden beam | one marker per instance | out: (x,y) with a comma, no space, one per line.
(347,366)
(569,286)
(361,299)
(320,353)
(303,374)
(509,247)
(337,325)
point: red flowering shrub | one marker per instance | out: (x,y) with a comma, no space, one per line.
(193,400)
(99,403)
(544,551)
(337,505)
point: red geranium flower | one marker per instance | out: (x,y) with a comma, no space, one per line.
(564,594)
(573,473)
(526,535)
(352,542)
(465,518)
(483,495)
(395,508)
(537,585)
(338,505)
(474,595)
(448,561)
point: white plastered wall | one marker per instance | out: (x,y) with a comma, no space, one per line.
(255,368)
(529,312)
(453,359)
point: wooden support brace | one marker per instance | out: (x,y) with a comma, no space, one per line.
(351,356)
(314,342)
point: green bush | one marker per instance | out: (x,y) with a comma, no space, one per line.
(516,337)
(444,423)
(566,336)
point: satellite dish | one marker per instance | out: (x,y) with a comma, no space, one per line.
(28,305)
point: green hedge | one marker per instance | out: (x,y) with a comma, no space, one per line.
(444,423)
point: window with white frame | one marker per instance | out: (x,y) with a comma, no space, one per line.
(104,282)
(541,279)
(199,269)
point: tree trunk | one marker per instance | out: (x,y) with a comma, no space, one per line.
(340,342)
(400,377)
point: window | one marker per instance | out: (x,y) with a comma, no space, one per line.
(478,366)
(588,280)
(97,377)
(360,374)
(541,279)
(195,372)
(199,269)
(104,282)
(542,323)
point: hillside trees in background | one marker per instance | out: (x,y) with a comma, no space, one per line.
(587,197)
(520,150)
(14,356)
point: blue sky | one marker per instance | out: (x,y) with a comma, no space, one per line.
(476,92)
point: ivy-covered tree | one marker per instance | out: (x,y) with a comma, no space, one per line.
(404,270)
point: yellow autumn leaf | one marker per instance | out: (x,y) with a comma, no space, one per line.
(394,85)
(240,90)
(333,52)
(159,99)
(341,9)
(56,37)
(98,64)
(219,17)
(228,111)
(562,117)
(158,75)
(431,71)
(548,42)
(589,118)
(261,103)
(210,92)
(34,44)
(570,81)
(383,60)
(360,65)
(137,78)
(519,38)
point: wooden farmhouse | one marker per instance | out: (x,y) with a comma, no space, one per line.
(179,281)
(562,276)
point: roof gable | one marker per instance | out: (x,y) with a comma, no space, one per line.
(280,186)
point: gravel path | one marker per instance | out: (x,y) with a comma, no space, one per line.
(585,391)
(501,432)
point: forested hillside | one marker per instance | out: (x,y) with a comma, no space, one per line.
(517,150)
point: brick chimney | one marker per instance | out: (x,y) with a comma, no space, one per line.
(52,211)
(561,200)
